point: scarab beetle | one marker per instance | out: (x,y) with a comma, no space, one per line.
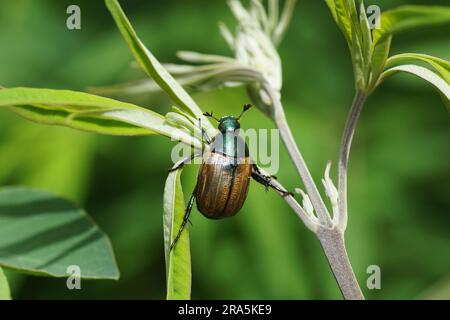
(224,176)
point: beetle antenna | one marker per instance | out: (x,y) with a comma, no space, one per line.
(209,114)
(246,107)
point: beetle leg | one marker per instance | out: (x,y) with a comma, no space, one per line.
(267,181)
(182,163)
(187,213)
(204,133)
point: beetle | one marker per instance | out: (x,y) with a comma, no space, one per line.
(224,176)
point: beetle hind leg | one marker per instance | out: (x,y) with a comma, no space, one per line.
(267,181)
(187,213)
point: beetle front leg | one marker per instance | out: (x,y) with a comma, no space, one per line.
(182,163)
(267,181)
(187,213)
(205,136)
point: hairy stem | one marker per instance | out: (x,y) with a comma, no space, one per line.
(350,126)
(332,241)
(297,158)
(293,203)
(330,236)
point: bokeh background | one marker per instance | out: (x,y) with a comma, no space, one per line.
(399,170)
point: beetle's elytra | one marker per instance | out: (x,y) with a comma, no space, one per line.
(222,187)
(224,177)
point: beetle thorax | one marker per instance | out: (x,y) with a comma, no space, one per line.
(229,125)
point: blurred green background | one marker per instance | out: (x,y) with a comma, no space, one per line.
(398,180)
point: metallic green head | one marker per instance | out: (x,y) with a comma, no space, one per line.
(228,124)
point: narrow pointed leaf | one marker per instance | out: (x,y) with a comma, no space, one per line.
(379,57)
(366,33)
(397,20)
(43,234)
(441,66)
(152,66)
(332,6)
(226,35)
(273,14)
(285,20)
(136,87)
(197,57)
(438,82)
(178,261)
(343,20)
(409,17)
(88,112)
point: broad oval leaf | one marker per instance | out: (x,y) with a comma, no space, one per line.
(178,260)
(43,234)
(89,112)
(5,293)
(152,66)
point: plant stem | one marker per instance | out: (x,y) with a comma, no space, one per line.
(292,148)
(332,241)
(293,203)
(330,236)
(350,126)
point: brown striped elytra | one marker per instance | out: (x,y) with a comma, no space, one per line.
(222,186)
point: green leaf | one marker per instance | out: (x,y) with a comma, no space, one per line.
(380,55)
(342,18)
(178,261)
(356,32)
(366,33)
(441,66)
(358,62)
(331,5)
(43,234)
(152,66)
(408,17)
(5,293)
(89,112)
(425,74)
(396,20)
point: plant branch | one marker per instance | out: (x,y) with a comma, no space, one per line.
(330,236)
(288,139)
(350,126)
(309,221)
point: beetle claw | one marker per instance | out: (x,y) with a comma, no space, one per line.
(172,169)
(287,194)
